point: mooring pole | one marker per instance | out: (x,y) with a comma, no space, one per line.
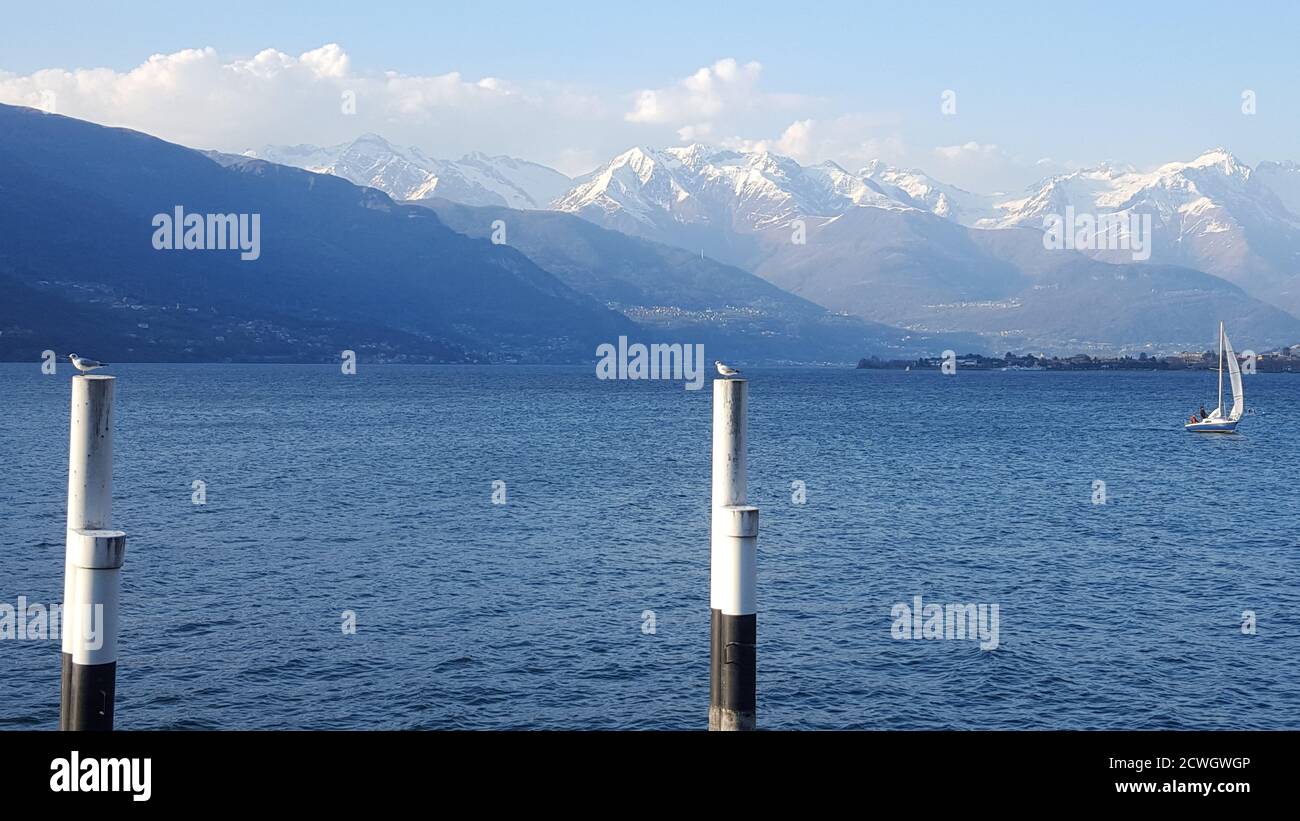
(733,566)
(92,562)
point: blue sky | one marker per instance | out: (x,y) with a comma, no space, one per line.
(1140,83)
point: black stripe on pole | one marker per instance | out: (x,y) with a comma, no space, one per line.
(87,698)
(65,692)
(733,679)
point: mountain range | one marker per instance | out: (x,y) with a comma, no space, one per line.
(342,266)
(1213,214)
(897,246)
(406,258)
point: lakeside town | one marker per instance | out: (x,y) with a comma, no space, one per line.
(1283,360)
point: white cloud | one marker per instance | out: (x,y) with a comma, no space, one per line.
(700,132)
(199,98)
(968,151)
(987,167)
(797,139)
(327,61)
(850,140)
(853,140)
(725,90)
(794,142)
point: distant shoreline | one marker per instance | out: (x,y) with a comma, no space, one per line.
(966,362)
(1287,361)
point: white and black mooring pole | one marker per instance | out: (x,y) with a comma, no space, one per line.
(733,566)
(92,564)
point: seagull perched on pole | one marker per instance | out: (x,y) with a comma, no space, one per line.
(725,370)
(85,365)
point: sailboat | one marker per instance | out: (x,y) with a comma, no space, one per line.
(1216,422)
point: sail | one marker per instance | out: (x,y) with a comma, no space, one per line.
(1234,371)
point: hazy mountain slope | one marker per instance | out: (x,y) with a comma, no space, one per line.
(880,263)
(76,208)
(410,174)
(682,296)
(935,276)
(40,317)
(1283,179)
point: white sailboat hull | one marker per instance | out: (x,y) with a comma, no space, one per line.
(1212,426)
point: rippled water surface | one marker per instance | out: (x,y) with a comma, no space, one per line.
(372,493)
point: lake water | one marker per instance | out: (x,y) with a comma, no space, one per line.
(373,493)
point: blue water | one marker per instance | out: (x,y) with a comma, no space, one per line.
(373,493)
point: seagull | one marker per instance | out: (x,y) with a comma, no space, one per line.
(725,370)
(85,365)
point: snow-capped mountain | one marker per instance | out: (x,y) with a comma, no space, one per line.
(1213,214)
(410,174)
(715,199)
(1177,187)
(759,190)
(924,191)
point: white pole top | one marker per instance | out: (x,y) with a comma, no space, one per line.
(730,441)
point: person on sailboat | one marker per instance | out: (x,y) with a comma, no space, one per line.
(1203,413)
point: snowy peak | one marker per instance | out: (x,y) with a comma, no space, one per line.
(643,163)
(696,155)
(755,191)
(1213,213)
(409,173)
(518,183)
(371,142)
(925,192)
(638,184)
(1214,180)
(647,188)
(1219,159)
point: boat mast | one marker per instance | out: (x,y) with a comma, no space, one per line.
(1220,369)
